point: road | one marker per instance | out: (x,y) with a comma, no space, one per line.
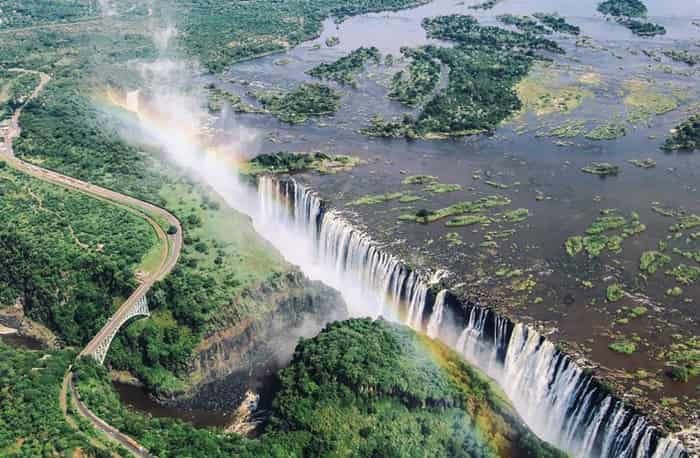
(172,246)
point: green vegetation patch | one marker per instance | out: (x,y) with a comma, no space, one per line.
(485,65)
(558,23)
(346,69)
(441,188)
(419,179)
(623,346)
(413,85)
(643,163)
(683,56)
(524,24)
(15,87)
(609,131)
(643,29)
(686,222)
(683,357)
(651,261)
(606,233)
(469,220)
(602,169)
(542,94)
(356,388)
(373,199)
(685,275)
(643,102)
(685,136)
(623,8)
(67,256)
(614,292)
(32,424)
(219,97)
(568,129)
(286,162)
(466,207)
(515,216)
(294,107)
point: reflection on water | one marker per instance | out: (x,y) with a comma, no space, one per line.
(137,398)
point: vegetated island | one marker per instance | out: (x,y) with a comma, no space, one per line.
(484,67)
(297,106)
(360,387)
(345,69)
(685,136)
(286,162)
(627,13)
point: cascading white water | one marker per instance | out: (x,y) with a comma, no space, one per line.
(436,316)
(555,397)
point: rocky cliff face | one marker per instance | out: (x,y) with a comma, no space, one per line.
(243,353)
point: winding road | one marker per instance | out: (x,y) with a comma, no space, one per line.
(171,248)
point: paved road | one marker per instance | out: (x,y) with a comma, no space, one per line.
(172,244)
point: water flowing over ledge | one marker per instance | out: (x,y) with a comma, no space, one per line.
(559,401)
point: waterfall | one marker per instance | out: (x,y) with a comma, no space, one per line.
(436,316)
(558,400)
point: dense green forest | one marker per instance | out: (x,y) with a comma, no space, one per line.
(485,66)
(413,85)
(626,8)
(345,69)
(68,258)
(219,33)
(15,87)
(31,422)
(626,13)
(307,100)
(685,136)
(66,129)
(360,387)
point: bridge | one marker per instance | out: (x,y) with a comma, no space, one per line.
(136,304)
(99,345)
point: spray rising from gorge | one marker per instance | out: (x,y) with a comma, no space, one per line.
(555,397)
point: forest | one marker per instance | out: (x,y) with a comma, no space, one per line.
(307,100)
(685,136)
(261,26)
(66,257)
(360,387)
(31,422)
(484,67)
(413,85)
(14,88)
(66,129)
(345,69)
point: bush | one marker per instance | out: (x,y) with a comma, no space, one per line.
(679,374)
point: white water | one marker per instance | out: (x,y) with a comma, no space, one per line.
(557,400)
